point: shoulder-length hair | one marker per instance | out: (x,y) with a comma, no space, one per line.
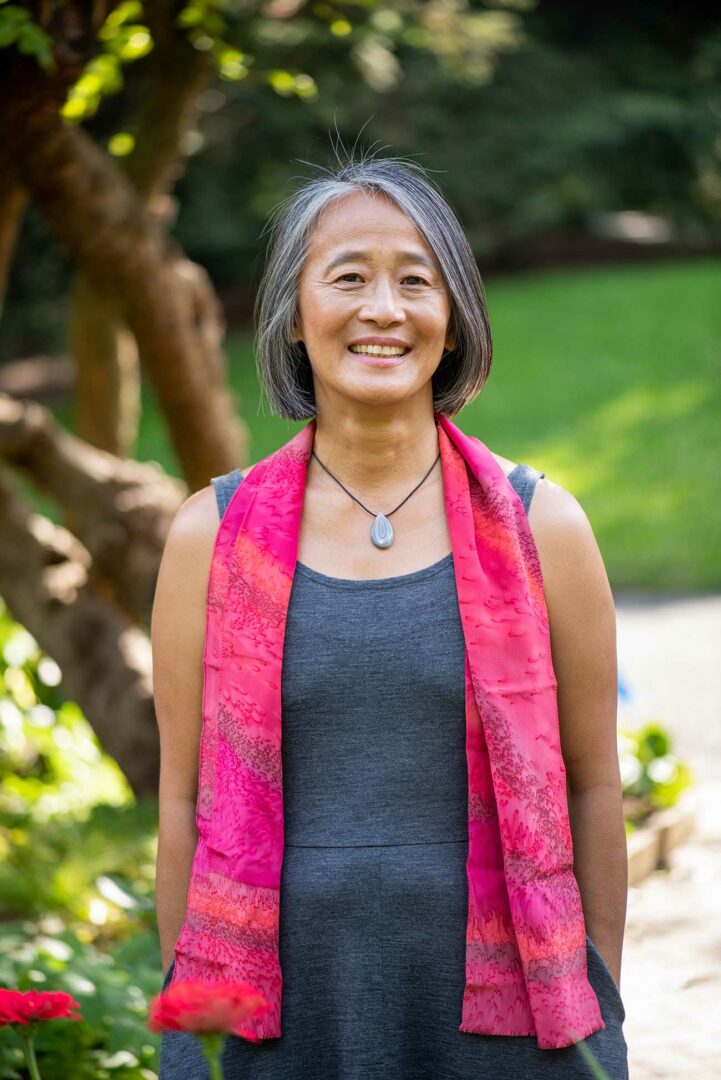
(283,366)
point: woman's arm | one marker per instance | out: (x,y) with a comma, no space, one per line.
(582,621)
(178,639)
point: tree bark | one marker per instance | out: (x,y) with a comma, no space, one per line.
(120,511)
(105,659)
(167,302)
(107,397)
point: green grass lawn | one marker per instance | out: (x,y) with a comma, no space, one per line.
(606,380)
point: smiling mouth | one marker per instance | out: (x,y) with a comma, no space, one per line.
(363,347)
(376,360)
(392,357)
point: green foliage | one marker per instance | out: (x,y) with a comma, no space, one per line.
(112,987)
(50,761)
(653,778)
(122,39)
(17,28)
(204,15)
(559,136)
(77,873)
(97,873)
(72,839)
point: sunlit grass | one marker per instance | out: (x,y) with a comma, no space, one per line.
(608,381)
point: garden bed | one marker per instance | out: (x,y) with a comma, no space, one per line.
(651,844)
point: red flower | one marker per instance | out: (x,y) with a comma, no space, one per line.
(31,1006)
(205,1008)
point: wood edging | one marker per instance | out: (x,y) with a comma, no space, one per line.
(650,846)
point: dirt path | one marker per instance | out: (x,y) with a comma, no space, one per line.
(670,656)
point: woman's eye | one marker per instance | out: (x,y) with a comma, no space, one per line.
(353,273)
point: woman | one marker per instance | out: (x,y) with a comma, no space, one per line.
(372,320)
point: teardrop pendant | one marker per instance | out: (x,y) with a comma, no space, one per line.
(382,532)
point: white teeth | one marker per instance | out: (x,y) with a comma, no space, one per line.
(377,350)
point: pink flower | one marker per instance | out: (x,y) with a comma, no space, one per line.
(31,1006)
(24,1010)
(205,1008)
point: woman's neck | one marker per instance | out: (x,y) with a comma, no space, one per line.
(378,459)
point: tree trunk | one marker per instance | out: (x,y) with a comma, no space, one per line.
(119,510)
(168,302)
(13,198)
(107,397)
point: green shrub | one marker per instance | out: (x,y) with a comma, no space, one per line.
(652,777)
(113,988)
(77,876)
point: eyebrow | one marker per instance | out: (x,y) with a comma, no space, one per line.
(362,256)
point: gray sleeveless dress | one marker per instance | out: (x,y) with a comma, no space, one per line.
(373,887)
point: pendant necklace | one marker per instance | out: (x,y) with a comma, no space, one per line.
(382,533)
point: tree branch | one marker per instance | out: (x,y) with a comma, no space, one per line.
(120,510)
(106,661)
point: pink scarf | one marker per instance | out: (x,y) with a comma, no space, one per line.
(525,965)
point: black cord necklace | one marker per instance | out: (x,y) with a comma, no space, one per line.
(382,533)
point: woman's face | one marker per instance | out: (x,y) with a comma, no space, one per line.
(370,274)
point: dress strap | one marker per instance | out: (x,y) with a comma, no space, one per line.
(225,488)
(523,479)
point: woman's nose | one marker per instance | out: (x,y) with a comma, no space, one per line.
(383,303)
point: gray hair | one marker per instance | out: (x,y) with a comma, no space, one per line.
(283,366)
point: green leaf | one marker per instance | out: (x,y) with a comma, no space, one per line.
(12,15)
(192,15)
(121,144)
(11,19)
(655,742)
(131,9)
(31,39)
(134,41)
(17,27)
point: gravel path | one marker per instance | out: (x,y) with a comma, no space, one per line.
(670,657)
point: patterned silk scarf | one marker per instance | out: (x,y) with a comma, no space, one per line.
(525,963)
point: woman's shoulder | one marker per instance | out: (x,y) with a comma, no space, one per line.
(559,524)
(571,562)
(552,504)
(188,547)
(575,581)
(197,519)
(189,544)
